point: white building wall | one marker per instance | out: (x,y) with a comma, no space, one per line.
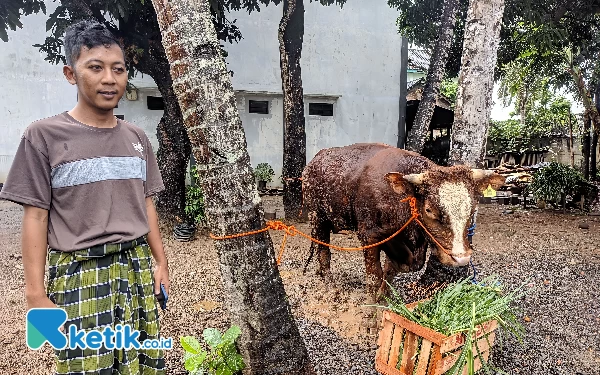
(350,57)
(31,87)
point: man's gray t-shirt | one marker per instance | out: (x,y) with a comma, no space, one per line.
(93,181)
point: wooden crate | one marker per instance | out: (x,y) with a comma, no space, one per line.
(418,350)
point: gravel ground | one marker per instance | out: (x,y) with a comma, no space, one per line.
(561,311)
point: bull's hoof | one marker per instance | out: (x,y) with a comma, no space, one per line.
(327,278)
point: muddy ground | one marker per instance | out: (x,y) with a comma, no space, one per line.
(561,312)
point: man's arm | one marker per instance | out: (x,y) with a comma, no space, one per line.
(161,274)
(34,245)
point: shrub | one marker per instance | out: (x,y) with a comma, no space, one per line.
(221,358)
(194,200)
(264,172)
(556,181)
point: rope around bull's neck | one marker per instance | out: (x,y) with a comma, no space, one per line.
(292,231)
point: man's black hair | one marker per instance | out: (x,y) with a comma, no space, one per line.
(86,33)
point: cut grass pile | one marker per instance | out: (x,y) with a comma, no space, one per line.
(460,308)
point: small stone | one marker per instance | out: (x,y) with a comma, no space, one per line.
(584,226)
(527,319)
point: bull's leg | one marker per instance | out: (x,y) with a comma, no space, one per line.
(374,276)
(389,272)
(373,271)
(321,230)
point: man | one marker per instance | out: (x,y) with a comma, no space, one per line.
(86,180)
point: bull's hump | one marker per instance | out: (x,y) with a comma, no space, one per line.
(456,202)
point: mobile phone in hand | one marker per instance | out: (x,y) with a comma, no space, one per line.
(162,297)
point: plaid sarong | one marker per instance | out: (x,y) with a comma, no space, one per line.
(104,286)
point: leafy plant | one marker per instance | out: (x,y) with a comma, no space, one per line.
(460,308)
(194,200)
(264,172)
(556,181)
(222,357)
(449,88)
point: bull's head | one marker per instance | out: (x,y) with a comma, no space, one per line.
(447,197)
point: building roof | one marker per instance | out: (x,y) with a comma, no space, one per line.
(418,59)
(414,91)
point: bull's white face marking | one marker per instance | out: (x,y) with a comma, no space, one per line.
(456,203)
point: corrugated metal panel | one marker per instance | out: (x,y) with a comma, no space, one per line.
(418,59)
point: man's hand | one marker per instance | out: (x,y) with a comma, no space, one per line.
(161,276)
(40,301)
(161,271)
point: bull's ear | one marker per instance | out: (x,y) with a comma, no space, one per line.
(398,182)
(485,178)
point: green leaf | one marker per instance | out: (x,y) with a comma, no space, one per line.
(190,344)
(232,334)
(235,362)
(195,362)
(223,369)
(212,337)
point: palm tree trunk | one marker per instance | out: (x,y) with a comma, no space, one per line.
(593,153)
(435,73)
(476,82)
(270,342)
(585,165)
(173,153)
(291,35)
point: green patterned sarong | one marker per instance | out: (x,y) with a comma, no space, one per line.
(104,286)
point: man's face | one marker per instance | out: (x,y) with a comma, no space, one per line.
(100,76)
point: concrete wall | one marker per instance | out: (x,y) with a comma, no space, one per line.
(350,57)
(31,87)
(561,152)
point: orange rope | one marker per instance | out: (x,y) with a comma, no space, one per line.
(292,231)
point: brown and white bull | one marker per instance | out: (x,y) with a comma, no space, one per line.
(360,188)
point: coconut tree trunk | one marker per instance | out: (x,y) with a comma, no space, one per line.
(291,35)
(585,165)
(173,153)
(270,342)
(476,82)
(435,73)
(593,153)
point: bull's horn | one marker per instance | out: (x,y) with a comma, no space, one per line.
(480,174)
(415,179)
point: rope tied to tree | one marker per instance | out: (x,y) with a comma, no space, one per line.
(290,230)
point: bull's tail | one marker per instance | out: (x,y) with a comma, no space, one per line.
(310,255)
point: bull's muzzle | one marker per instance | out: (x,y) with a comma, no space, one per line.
(461,260)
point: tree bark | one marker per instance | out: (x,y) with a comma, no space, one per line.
(476,82)
(270,342)
(585,165)
(173,154)
(174,147)
(593,161)
(291,35)
(435,73)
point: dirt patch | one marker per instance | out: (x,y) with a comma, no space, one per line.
(561,261)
